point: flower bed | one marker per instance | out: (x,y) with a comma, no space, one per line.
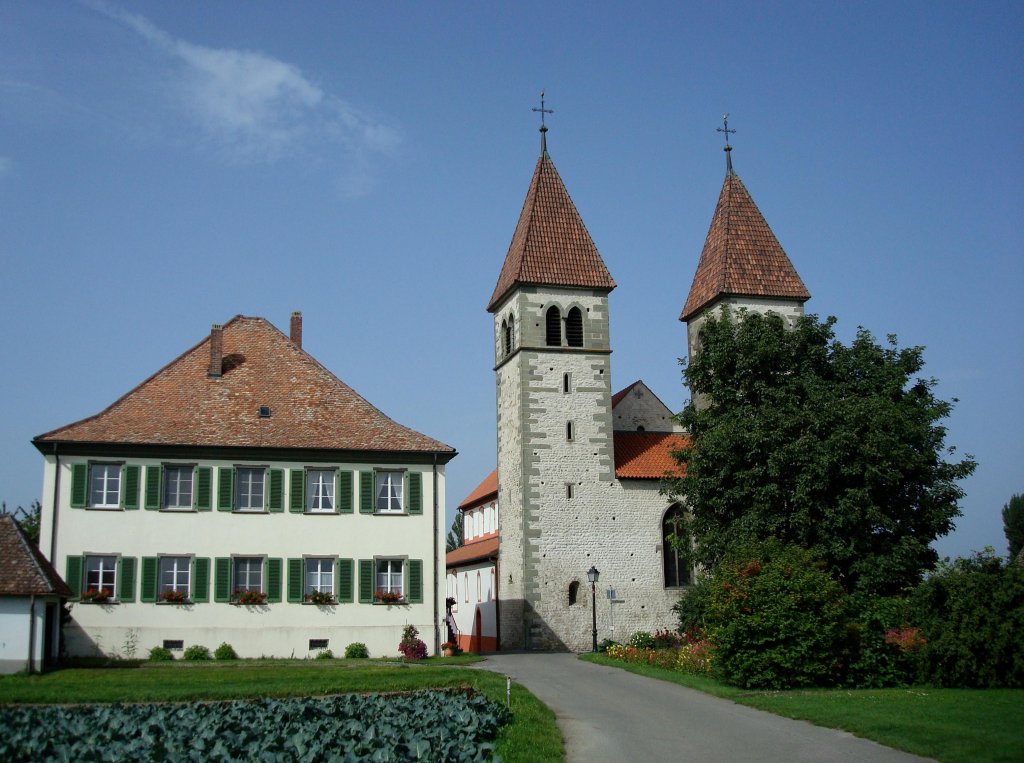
(693,656)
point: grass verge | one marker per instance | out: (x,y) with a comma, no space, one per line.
(954,725)
(531,736)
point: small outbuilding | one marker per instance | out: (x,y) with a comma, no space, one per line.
(31,595)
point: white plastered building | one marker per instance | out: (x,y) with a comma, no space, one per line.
(244,494)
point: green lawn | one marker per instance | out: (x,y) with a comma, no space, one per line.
(953,725)
(532,735)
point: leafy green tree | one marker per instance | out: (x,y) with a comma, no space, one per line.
(455,534)
(838,449)
(28,520)
(1013,524)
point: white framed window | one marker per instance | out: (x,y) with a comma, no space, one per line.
(177,487)
(320,576)
(250,488)
(389,492)
(175,576)
(320,490)
(105,486)
(248,574)
(467,525)
(390,576)
(101,574)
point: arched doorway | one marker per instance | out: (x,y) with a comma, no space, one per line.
(475,641)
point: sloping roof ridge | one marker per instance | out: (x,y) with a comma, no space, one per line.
(52,581)
(480,491)
(140,385)
(618,396)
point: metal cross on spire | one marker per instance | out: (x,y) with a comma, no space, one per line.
(543,127)
(728,149)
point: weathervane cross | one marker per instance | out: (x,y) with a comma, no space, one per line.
(725,129)
(542,111)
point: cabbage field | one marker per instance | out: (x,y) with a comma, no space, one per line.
(424,725)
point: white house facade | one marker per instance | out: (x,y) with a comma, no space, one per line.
(243,494)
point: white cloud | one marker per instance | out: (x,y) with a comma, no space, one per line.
(255,106)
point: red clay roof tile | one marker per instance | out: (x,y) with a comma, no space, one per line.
(551,244)
(741,255)
(647,455)
(483,491)
(310,407)
(24,571)
(472,552)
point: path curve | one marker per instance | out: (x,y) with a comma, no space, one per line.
(608,715)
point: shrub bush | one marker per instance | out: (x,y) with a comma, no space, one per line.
(159,654)
(876,657)
(324,654)
(971,614)
(196,652)
(775,618)
(356,650)
(603,646)
(410,645)
(225,652)
(641,640)
(693,607)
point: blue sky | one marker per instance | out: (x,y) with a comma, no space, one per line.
(165,166)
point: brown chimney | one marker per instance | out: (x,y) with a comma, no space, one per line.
(216,350)
(296,328)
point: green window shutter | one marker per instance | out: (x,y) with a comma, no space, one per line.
(344,485)
(73,574)
(276,497)
(222,579)
(153,474)
(79,487)
(203,479)
(225,488)
(149,579)
(366,581)
(273,583)
(295,584)
(365,492)
(414,492)
(126,577)
(297,491)
(130,486)
(344,569)
(200,579)
(414,581)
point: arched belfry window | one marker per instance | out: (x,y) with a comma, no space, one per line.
(675,542)
(506,337)
(554,327)
(574,327)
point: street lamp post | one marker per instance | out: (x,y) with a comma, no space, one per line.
(592,576)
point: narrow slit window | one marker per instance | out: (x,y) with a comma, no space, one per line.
(568,431)
(566,383)
(568,490)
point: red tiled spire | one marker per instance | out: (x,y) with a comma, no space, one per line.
(741,255)
(551,245)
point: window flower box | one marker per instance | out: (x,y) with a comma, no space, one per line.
(174,597)
(320,598)
(388,597)
(250,597)
(96,595)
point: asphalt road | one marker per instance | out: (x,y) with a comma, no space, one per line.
(609,715)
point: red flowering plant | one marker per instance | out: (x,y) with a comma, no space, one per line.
(96,595)
(320,597)
(250,597)
(906,639)
(388,597)
(411,646)
(174,597)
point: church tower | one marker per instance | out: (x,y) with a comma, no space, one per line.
(742,264)
(554,421)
